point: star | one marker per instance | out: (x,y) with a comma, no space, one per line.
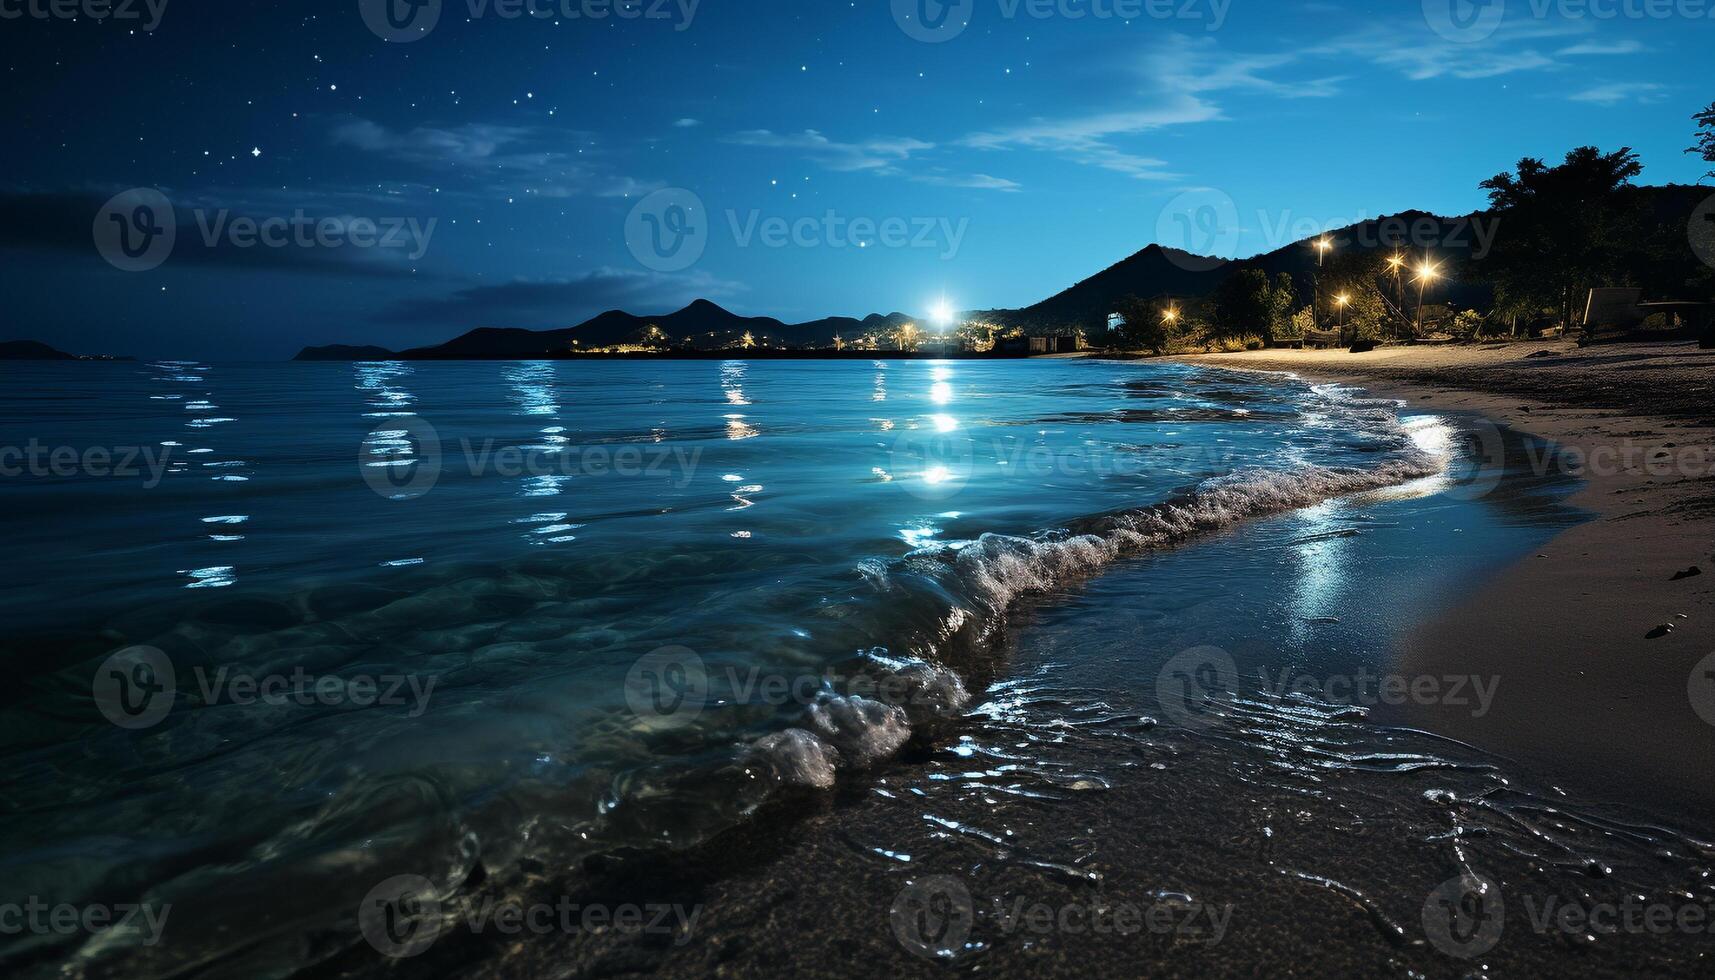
(255,151)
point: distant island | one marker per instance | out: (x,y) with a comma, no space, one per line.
(702,326)
(33,350)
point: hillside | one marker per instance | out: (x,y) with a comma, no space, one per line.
(1168,272)
(35,350)
(703,325)
(30,350)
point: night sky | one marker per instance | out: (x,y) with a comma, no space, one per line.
(993,165)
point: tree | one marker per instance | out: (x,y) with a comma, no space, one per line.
(1145,325)
(1247,303)
(1280,303)
(1705,136)
(1357,276)
(1562,229)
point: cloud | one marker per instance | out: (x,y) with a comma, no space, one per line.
(1179,79)
(502,159)
(466,145)
(687,123)
(1198,65)
(1617,92)
(881,154)
(1176,82)
(1413,49)
(1086,139)
(543,304)
(1602,48)
(981,182)
(62,222)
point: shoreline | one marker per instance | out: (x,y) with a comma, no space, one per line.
(1589,693)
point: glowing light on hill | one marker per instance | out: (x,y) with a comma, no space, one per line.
(942,314)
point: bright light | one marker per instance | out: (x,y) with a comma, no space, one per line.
(1396,261)
(942,314)
(1427,271)
(1342,299)
(1171,316)
(1324,244)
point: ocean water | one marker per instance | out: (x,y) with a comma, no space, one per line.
(295,629)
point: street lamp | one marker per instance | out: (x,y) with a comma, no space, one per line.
(1341,301)
(1426,274)
(1395,264)
(1323,246)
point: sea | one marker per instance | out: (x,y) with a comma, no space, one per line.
(301,651)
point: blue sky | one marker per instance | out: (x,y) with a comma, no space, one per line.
(996,166)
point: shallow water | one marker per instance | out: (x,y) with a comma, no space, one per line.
(507,616)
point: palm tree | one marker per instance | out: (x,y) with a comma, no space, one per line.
(1563,229)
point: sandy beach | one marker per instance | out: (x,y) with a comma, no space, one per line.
(1592,690)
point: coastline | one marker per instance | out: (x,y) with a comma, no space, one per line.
(1066,792)
(1569,631)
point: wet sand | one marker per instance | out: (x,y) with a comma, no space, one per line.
(1590,691)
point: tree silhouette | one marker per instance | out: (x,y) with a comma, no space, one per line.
(1705,136)
(1562,229)
(1246,302)
(1145,325)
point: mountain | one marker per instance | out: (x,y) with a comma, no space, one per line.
(1169,272)
(701,326)
(32,350)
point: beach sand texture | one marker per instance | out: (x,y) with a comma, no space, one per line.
(1592,689)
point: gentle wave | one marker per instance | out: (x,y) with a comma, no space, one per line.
(975,583)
